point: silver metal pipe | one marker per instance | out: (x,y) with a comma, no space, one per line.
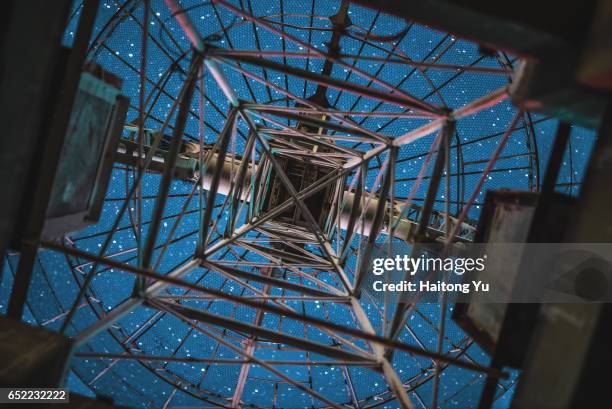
(228,173)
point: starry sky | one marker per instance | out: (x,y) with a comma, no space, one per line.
(56,277)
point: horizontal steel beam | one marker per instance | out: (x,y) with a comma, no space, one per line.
(129,305)
(173,281)
(276,282)
(330,82)
(220,361)
(261,332)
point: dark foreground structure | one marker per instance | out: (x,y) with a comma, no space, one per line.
(193,193)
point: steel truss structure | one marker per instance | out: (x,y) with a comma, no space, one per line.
(285,271)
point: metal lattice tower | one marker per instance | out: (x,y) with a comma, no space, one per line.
(291,197)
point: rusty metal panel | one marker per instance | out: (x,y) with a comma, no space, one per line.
(564,330)
(506,218)
(595,69)
(30,53)
(81,402)
(581,332)
(549,86)
(87,156)
(31,356)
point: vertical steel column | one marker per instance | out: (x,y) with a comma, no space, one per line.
(447,131)
(224,138)
(169,163)
(249,348)
(54,141)
(395,384)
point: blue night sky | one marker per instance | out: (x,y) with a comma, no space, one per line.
(129,383)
